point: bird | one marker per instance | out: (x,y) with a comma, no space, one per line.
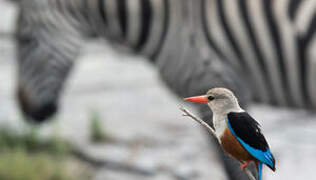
(239,134)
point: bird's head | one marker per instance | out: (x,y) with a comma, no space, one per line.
(220,100)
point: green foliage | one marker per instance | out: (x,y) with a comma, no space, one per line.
(97,133)
(27,156)
(31,142)
(18,164)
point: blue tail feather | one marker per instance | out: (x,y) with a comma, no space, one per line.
(259,170)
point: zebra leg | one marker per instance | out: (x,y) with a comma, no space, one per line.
(47,45)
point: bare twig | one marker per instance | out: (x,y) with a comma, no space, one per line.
(250,175)
(189,114)
(211,130)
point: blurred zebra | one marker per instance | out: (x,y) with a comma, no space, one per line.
(264,50)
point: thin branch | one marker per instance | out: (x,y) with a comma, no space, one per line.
(211,131)
(250,175)
(200,121)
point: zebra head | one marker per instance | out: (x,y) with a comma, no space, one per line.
(41,76)
(40,81)
(45,56)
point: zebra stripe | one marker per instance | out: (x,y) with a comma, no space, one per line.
(102,12)
(122,13)
(214,32)
(165,28)
(140,24)
(287,56)
(304,16)
(264,40)
(275,34)
(158,27)
(305,25)
(146,20)
(112,11)
(134,15)
(292,9)
(274,96)
(311,54)
(231,16)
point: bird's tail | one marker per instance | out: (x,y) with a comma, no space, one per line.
(259,170)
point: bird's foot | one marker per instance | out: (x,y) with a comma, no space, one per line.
(244,165)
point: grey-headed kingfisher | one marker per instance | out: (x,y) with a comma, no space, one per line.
(238,133)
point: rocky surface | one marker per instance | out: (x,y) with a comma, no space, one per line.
(143,119)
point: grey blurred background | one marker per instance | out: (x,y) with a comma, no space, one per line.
(143,119)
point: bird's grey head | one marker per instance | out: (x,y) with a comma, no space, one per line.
(220,100)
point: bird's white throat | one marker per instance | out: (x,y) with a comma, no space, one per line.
(220,122)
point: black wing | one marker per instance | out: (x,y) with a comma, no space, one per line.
(248,130)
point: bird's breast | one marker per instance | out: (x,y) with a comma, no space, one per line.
(233,147)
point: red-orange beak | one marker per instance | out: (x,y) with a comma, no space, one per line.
(198,99)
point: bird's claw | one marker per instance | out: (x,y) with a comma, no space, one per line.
(244,165)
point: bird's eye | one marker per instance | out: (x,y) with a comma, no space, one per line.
(210,98)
